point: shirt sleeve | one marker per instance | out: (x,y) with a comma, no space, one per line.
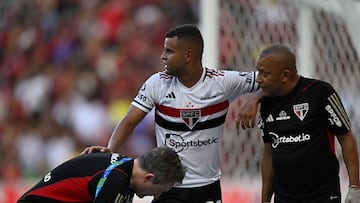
(145,99)
(337,118)
(237,83)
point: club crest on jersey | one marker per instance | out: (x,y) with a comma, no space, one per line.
(301,110)
(190,117)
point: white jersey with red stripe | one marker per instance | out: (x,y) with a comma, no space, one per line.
(191,120)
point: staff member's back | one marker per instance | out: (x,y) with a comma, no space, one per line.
(108,177)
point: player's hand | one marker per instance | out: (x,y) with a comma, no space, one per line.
(353,195)
(93,149)
(247,113)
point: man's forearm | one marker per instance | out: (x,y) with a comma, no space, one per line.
(119,136)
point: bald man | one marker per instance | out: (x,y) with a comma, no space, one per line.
(300,118)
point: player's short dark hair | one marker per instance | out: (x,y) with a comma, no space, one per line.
(275,49)
(285,56)
(165,163)
(189,32)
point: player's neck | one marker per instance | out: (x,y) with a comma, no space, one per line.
(191,78)
(137,173)
(292,84)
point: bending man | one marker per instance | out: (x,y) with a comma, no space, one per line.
(108,177)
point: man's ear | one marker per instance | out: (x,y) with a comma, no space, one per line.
(286,74)
(188,55)
(149,177)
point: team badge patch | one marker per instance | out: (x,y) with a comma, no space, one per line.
(190,117)
(301,110)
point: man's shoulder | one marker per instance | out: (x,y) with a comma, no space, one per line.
(213,73)
(312,84)
(161,76)
(229,74)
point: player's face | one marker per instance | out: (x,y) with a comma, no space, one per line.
(270,76)
(174,57)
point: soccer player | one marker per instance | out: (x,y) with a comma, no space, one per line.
(108,177)
(191,103)
(300,118)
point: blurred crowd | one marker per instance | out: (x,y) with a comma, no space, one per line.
(68,72)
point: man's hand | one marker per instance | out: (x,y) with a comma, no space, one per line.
(247,113)
(353,195)
(93,149)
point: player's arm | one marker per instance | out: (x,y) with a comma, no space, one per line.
(121,132)
(248,107)
(125,127)
(267,173)
(242,87)
(351,159)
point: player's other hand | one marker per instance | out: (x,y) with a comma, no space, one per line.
(93,149)
(247,111)
(353,195)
